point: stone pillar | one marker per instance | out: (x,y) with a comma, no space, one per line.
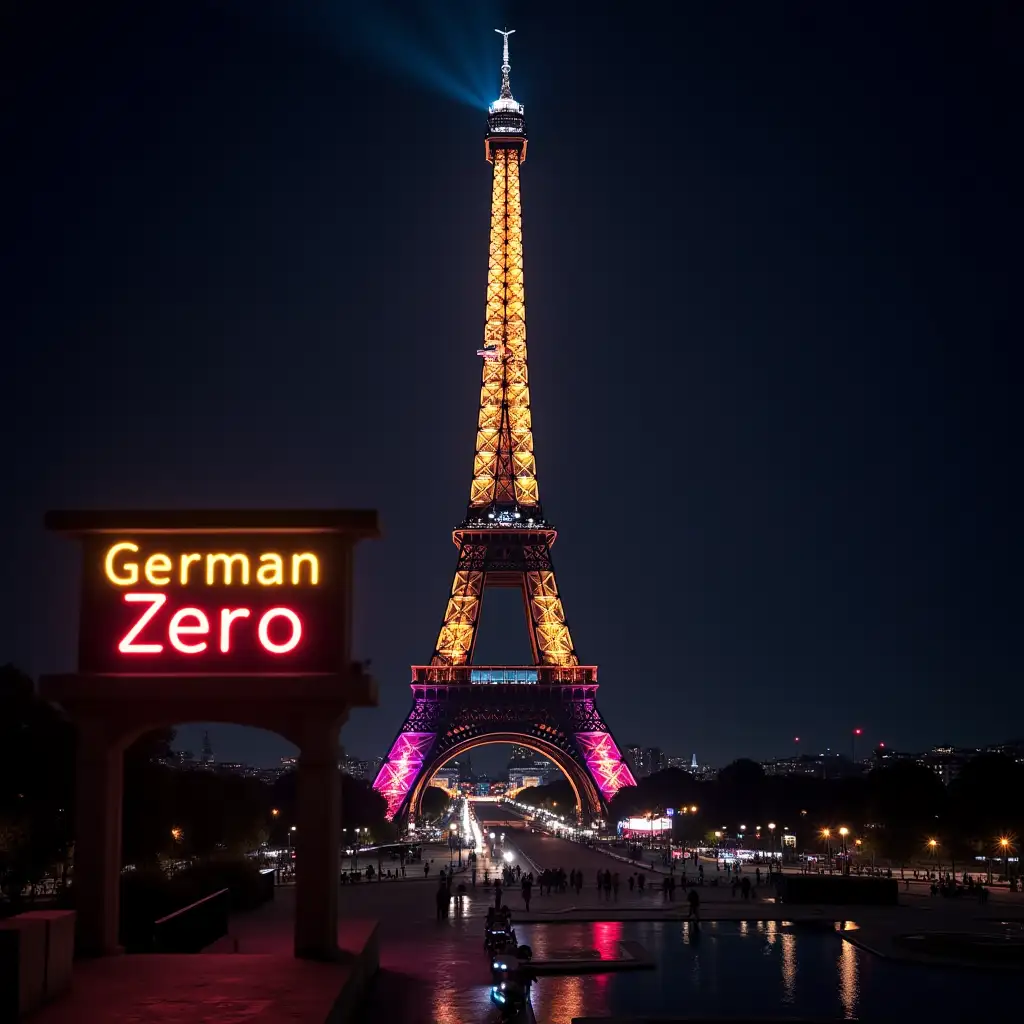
(316,842)
(99,767)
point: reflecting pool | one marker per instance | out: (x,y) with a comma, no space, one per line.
(758,968)
(735,969)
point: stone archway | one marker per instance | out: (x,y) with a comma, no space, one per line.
(110,713)
(162,641)
(588,800)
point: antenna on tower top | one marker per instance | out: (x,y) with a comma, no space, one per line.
(506,89)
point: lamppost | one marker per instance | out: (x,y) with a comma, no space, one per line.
(853,744)
(826,834)
(1005,845)
(933,847)
(771,833)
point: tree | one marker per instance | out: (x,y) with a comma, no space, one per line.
(909,801)
(557,796)
(362,805)
(37,746)
(435,801)
(987,799)
(147,810)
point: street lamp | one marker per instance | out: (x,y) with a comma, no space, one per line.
(1006,846)
(290,831)
(771,832)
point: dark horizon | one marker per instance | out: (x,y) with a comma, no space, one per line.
(769,262)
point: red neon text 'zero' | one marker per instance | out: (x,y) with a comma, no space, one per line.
(193,622)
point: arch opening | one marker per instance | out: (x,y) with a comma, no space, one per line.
(588,799)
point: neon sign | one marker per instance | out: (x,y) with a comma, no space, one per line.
(178,603)
(158,567)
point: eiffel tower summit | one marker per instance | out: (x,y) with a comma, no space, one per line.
(504,540)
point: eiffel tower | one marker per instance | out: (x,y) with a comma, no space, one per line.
(504,541)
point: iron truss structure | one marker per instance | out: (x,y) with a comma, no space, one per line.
(504,541)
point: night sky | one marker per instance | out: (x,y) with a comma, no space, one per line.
(769,253)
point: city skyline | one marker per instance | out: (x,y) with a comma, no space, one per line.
(828,538)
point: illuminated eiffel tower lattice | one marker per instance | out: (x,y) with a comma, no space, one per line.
(504,541)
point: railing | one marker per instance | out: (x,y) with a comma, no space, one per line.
(193,928)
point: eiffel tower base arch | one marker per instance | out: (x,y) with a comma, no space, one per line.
(549,709)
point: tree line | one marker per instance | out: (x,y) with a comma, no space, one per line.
(894,809)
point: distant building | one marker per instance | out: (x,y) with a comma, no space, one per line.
(181,759)
(1013,749)
(645,761)
(636,758)
(821,766)
(206,758)
(944,761)
(447,778)
(358,767)
(465,767)
(525,762)
(518,781)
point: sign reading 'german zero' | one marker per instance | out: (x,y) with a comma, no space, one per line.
(187,603)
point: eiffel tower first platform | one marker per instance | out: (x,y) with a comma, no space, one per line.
(504,541)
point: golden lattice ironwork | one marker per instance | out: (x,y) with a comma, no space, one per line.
(504,470)
(505,540)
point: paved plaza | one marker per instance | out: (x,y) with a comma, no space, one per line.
(436,971)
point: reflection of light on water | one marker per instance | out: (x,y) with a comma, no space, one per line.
(607,937)
(560,1001)
(537,940)
(608,943)
(788,942)
(744,927)
(848,982)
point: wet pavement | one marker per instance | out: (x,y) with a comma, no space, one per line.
(437,971)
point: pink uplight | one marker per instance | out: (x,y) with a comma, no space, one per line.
(604,762)
(401,767)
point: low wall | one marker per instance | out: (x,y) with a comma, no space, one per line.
(838,890)
(193,928)
(36,951)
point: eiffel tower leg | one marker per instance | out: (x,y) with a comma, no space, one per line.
(457,638)
(409,752)
(598,750)
(404,763)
